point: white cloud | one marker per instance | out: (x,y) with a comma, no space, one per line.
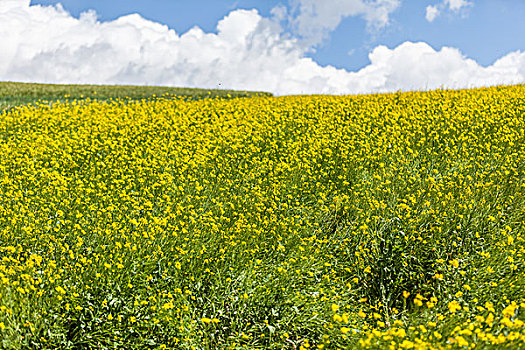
(432,13)
(249,52)
(455,6)
(313,19)
(414,66)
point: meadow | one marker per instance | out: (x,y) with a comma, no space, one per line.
(14,94)
(386,221)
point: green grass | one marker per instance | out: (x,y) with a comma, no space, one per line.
(16,94)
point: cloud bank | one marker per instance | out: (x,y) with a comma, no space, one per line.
(248,52)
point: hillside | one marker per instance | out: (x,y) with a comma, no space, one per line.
(385,221)
(15,94)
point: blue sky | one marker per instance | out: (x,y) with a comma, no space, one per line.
(485,31)
(287,46)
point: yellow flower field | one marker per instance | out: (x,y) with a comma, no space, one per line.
(389,221)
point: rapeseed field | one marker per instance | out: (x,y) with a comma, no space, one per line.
(388,221)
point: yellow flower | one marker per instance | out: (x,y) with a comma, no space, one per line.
(507,322)
(168,306)
(454,306)
(60,290)
(407,344)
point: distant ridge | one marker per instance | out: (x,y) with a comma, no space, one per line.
(15,94)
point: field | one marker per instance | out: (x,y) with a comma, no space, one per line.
(387,221)
(16,94)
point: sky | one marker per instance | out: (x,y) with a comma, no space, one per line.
(281,46)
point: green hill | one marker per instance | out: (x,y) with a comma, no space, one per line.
(15,94)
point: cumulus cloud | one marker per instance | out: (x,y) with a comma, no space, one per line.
(454,6)
(414,66)
(248,52)
(313,20)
